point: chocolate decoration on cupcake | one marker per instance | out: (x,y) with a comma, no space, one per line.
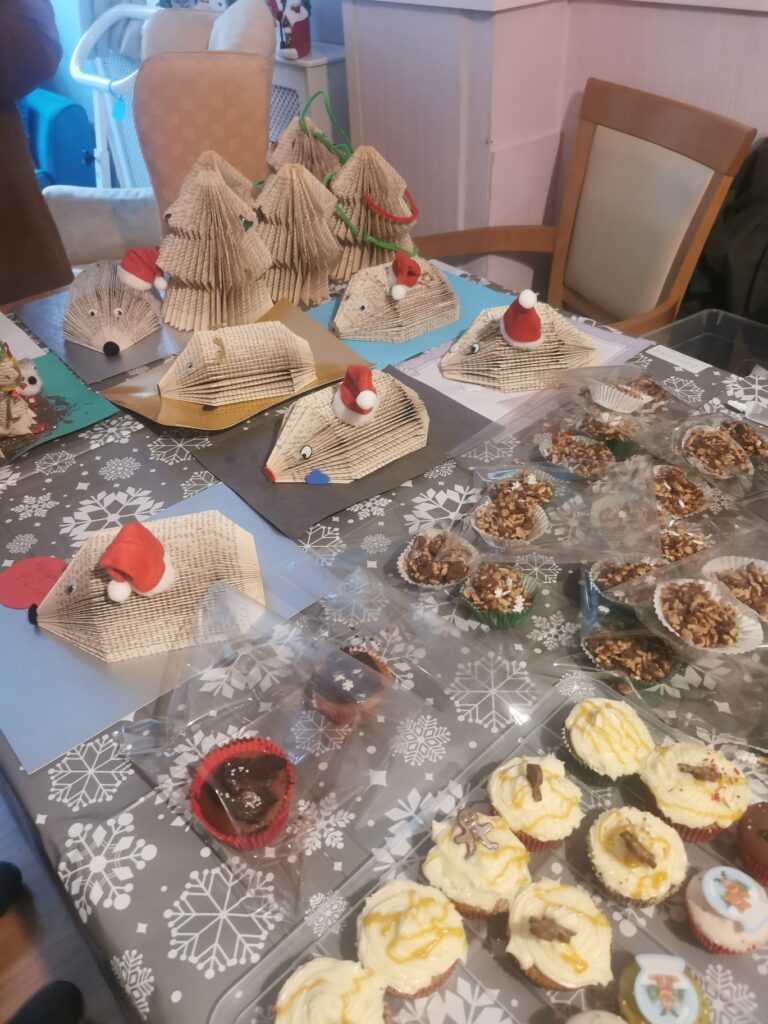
(350,684)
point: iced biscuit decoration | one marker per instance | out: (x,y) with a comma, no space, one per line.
(488,353)
(240,364)
(105,314)
(395,302)
(344,432)
(160,612)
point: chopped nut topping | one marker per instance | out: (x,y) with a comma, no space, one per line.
(611,574)
(648,387)
(497,588)
(697,618)
(677,544)
(676,493)
(535,777)
(549,930)
(506,517)
(589,459)
(606,426)
(717,452)
(644,658)
(433,558)
(748,585)
(701,772)
(527,486)
(637,848)
(746,437)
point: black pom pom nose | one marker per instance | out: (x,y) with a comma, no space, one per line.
(32,614)
(111,348)
(32,380)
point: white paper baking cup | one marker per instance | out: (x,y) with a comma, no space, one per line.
(617,594)
(471,560)
(545,447)
(749,625)
(681,515)
(520,474)
(701,466)
(541,525)
(716,565)
(613,398)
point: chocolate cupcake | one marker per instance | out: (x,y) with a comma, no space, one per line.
(498,595)
(241,792)
(753,841)
(436,559)
(350,685)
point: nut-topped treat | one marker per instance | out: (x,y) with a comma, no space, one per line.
(478,862)
(609,574)
(527,484)
(536,800)
(607,737)
(583,456)
(696,789)
(608,427)
(748,584)
(690,610)
(676,494)
(497,594)
(639,859)
(678,543)
(645,659)
(327,991)
(558,937)
(647,388)
(507,519)
(746,437)
(715,452)
(436,558)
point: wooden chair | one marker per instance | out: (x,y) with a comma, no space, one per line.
(647,179)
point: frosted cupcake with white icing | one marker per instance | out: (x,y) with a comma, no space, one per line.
(478,862)
(639,859)
(412,937)
(326,991)
(536,800)
(607,737)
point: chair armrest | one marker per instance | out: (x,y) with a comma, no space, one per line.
(101,223)
(487,241)
(659,316)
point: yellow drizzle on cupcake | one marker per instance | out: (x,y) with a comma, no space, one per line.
(719,798)
(552,817)
(328,991)
(608,736)
(615,840)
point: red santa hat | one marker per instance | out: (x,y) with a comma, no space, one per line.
(521,326)
(135,560)
(402,274)
(356,398)
(138,269)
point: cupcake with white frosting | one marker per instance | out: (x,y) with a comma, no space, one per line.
(639,859)
(478,862)
(607,737)
(558,937)
(326,991)
(536,800)
(727,911)
(412,936)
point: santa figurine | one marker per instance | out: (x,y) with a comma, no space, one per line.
(136,562)
(356,400)
(521,326)
(294,30)
(138,269)
(402,274)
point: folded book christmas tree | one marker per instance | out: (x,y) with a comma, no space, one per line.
(302,143)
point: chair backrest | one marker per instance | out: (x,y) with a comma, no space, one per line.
(646,181)
(247,26)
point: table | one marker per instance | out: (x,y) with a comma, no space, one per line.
(150,893)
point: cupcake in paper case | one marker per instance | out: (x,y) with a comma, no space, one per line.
(638,858)
(676,494)
(436,559)
(241,793)
(715,453)
(607,738)
(617,397)
(747,438)
(411,936)
(327,991)
(350,684)
(696,789)
(705,614)
(537,801)
(558,937)
(678,543)
(478,862)
(581,456)
(746,579)
(660,989)
(753,841)
(608,575)
(595,1017)
(532,484)
(645,660)
(727,911)
(508,521)
(499,595)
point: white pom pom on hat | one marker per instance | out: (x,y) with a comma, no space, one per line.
(527,298)
(367,399)
(399,291)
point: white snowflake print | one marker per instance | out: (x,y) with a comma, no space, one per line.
(487,691)
(323,542)
(432,507)
(541,567)
(714,405)
(752,388)
(100,863)
(577,682)
(760,957)
(684,389)
(137,981)
(223,917)
(442,613)
(630,920)
(176,446)
(317,734)
(400,654)
(8,478)
(116,430)
(730,1001)
(492,450)
(410,820)
(55,463)
(719,500)
(594,997)
(644,361)
(466,1003)
(371,508)
(261,671)
(35,506)
(446,468)
(552,631)
(375,543)
(326,911)
(198,482)
(108,508)
(120,469)
(359,601)
(21,543)
(320,824)
(89,774)
(421,741)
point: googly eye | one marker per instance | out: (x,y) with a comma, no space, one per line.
(474,348)
(92,312)
(70,588)
(190,365)
(363,308)
(305,452)
(117,312)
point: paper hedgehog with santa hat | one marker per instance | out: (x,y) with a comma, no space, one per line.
(136,562)
(402,274)
(356,400)
(521,325)
(138,269)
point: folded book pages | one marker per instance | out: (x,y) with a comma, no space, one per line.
(240,364)
(342,433)
(374,212)
(396,302)
(105,313)
(494,352)
(304,146)
(294,215)
(216,262)
(136,590)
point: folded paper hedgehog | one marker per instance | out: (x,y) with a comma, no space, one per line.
(344,432)
(108,314)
